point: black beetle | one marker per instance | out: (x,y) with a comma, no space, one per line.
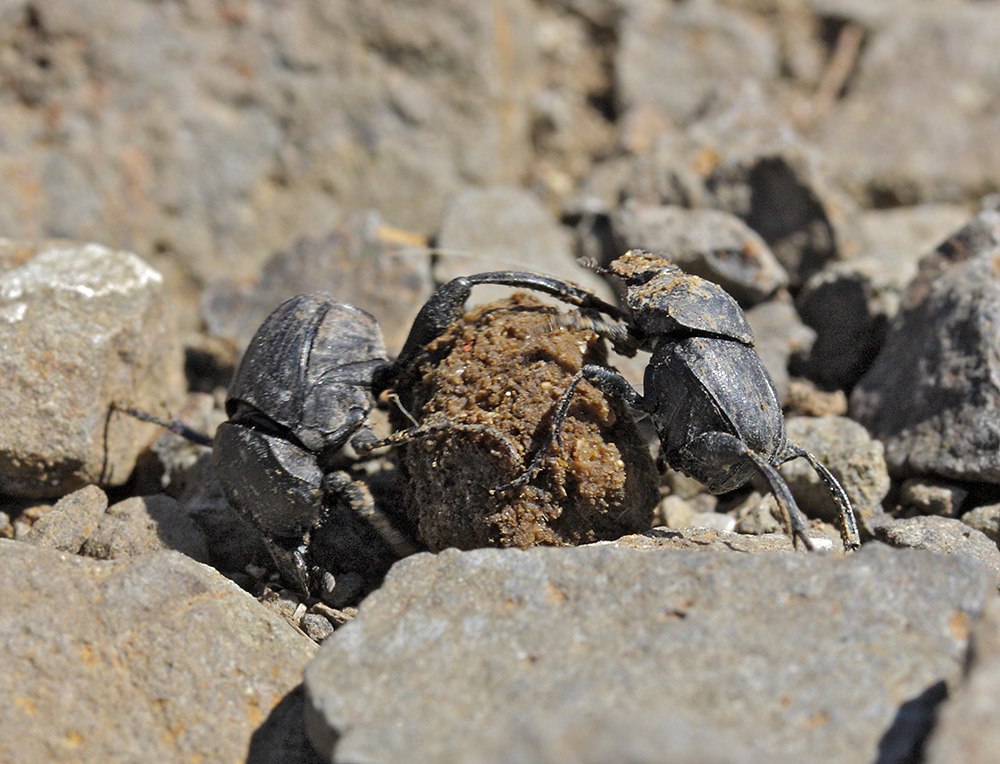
(706,390)
(710,397)
(301,393)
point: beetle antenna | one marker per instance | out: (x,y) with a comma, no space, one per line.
(176,427)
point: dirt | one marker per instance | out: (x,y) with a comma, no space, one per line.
(504,368)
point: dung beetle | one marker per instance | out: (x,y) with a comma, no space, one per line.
(713,403)
(302,392)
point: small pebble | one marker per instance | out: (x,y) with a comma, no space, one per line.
(316,627)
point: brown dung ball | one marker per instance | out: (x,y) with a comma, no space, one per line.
(504,368)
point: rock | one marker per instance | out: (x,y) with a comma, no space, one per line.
(968,725)
(849,305)
(361,263)
(780,336)
(897,238)
(985,519)
(73,520)
(706,540)
(653,735)
(932,395)
(145,524)
(921,132)
(923,496)
(154,657)
(505,228)
(756,515)
(714,245)
(81,326)
(256,128)
(740,159)
(675,60)
(475,642)
(849,452)
(677,513)
(805,399)
(943,535)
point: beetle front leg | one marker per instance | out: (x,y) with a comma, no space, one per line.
(848,525)
(358,498)
(611,383)
(447,305)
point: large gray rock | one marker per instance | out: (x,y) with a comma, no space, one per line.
(804,657)
(943,535)
(923,131)
(933,393)
(157,658)
(968,728)
(81,326)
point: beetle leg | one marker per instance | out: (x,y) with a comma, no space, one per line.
(447,305)
(611,383)
(358,498)
(726,451)
(291,563)
(848,525)
(427,429)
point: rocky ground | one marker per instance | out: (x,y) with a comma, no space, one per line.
(175,170)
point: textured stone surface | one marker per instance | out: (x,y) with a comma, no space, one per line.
(708,243)
(801,656)
(505,228)
(360,263)
(146,524)
(81,326)
(213,135)
(933,393)
(849,452)
(924,131)
(741,158)
(985,519)
(73,520)
(675,59)
(943,535)
(153,658)
(968,727)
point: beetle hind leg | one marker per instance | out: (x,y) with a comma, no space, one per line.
(722,451)
(848,526)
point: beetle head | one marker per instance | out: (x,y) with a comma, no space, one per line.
(637,267)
